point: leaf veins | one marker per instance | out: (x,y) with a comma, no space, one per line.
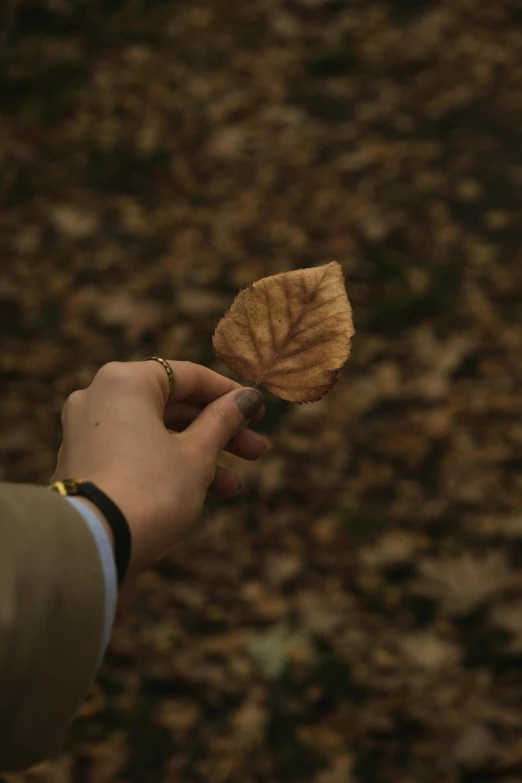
(272,330)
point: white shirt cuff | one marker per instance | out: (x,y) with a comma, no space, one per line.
(108,566)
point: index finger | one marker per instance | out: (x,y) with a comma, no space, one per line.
(199,385)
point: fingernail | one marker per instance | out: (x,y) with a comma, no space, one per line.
(249,402)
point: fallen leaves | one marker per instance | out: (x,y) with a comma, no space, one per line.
(290,332)
(428,652)
(271,650)
(462,583)
(178,715)
(358,528)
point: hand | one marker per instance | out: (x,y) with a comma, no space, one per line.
(115,435)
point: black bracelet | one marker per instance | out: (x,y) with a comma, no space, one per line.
(112,514)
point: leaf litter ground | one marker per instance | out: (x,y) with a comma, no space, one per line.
(356,615)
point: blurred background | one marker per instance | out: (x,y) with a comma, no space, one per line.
(355,616)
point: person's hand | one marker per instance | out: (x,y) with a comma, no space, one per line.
(115,435)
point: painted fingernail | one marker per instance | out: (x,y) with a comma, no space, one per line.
(249,402)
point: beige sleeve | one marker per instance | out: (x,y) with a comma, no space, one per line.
(51,621)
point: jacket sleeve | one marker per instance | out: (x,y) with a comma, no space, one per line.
(52,608)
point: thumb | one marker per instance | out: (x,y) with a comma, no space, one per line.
(222,419)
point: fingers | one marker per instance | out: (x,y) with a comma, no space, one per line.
(247,444)
(193,383)
(199,385)
(186,412)
(222,420)
(178,415)
(225,485)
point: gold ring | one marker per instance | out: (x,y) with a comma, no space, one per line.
(168,369)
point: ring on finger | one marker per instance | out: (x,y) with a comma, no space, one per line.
(168,369)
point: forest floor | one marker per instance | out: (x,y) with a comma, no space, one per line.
(355,616)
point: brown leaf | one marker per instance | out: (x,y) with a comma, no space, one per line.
(291,332)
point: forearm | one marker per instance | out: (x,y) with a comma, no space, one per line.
(52,610)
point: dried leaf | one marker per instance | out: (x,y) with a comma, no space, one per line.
(427,651)
(291,332)
(272,649)
(461,583)
(475,745)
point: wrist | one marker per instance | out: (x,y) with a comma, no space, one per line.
(109,514)
(120,494)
